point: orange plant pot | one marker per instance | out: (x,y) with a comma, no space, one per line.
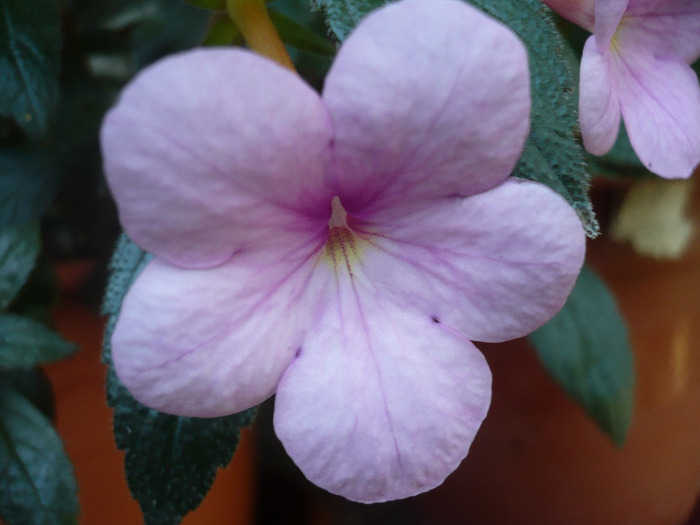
(84,421)
(538,460)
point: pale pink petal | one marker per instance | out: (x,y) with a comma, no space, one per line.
(599,105)
(215,341)
(428,98)
(664,28)
(660,7)
(494,266)
(608,14)
(660,103)
(382,403)
(580,12)
(212,151)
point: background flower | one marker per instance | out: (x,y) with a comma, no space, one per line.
(636,65)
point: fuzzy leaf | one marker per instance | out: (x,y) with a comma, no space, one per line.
(585,348)
(25,343)
(19,247)
(30,57)
(343,15)
(37,486)
(170,461)
(552,154)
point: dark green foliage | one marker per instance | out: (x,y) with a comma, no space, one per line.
(299,37)
(585,348)
(19,247)
(37,485)
(311,57)
(209,4)
(30,59)
(33,384)
(28,181)
(123,36)
(176,26)
(58,76)
(25,343)
(222,31)
(171,461)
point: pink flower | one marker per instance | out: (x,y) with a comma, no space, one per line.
(338,251)
(636,65)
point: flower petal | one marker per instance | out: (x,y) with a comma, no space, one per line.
(663,28)
(608,14)
(494,266)
(580,12)
(436,110)
(660,104)
(211,150)
(599,105)
(382,403)
(213,342)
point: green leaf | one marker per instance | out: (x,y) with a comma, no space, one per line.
(552,154)
(28,181)
(25,343)
(19,247)
(585,348)
(127,262)
(38,294)
(299,37)
(30,58)
(170,461)
(37,486)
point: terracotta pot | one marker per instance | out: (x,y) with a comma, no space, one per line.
(539,460)
(84,421)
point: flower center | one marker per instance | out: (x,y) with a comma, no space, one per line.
(342,246)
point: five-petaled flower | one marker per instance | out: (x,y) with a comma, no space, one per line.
(340,250)
(636,64)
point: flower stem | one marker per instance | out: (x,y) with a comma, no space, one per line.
(260,34)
